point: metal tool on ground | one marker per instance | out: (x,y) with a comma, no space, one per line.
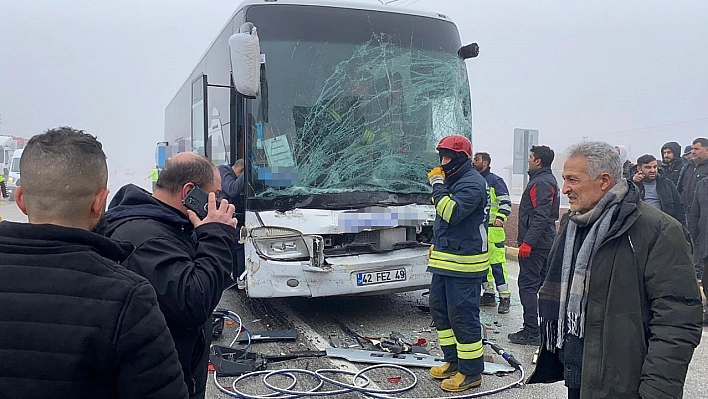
(293,355)
(395,343)
(270,336)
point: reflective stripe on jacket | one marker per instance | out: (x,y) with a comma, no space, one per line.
(500,200)
(460,229)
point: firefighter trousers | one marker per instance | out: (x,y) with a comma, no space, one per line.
(454,306)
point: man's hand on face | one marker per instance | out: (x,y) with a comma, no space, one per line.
(224,214)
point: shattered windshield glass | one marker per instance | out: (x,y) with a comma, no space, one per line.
(361,110)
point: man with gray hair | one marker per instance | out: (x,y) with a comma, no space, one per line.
(617,316)
(233,181)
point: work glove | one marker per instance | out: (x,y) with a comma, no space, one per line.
(436,176)
(524,250)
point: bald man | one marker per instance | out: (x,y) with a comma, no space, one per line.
(188,260)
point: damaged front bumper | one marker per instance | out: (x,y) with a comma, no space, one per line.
(368,274)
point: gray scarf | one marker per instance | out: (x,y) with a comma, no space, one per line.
(574,288)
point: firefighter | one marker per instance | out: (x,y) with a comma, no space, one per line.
(459,261)
(499,212)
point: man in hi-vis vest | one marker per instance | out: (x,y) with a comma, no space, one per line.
(500,209)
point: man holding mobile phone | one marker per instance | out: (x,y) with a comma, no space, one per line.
(187,259)
(658,191)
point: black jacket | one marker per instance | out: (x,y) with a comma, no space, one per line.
(692,174)
(698,219)
(672,170)
(538,210)
(628,169)
(75,324)
(668,197)
(189,269)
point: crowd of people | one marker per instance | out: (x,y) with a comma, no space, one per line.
(124,296)
(611,297)
(674,186)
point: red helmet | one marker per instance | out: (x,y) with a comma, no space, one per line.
(456,143)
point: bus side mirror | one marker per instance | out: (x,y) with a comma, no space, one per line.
(245,52)
(468,51)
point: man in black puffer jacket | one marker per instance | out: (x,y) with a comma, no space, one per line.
(74,323)
(189,261)
(672,161)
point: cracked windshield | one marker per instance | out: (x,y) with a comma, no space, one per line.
(345,112)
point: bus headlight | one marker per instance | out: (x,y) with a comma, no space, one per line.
(280,243)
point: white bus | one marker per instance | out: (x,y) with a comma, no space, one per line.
(347,102)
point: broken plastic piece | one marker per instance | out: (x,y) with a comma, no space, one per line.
(269,336)
(411,360)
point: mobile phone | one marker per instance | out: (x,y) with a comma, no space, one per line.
(197,201)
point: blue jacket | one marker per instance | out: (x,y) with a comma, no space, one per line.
(231,185)
(460,229)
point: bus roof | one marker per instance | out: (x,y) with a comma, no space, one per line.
(317,3)
(347,4)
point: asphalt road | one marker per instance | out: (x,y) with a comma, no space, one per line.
(318,319)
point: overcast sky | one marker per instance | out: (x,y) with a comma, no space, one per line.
(617,71)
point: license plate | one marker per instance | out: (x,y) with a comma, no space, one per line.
(383,276)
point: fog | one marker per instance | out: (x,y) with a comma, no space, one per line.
(630,72)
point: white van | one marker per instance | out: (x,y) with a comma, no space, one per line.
(13,178)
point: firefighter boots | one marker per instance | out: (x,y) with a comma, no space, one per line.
(460,382)
(447,370)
